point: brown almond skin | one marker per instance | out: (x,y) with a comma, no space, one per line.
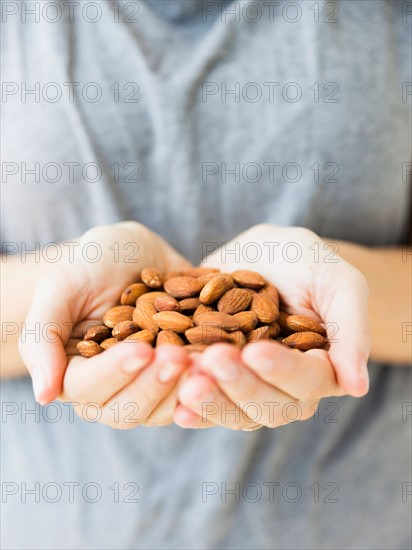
(234,300)
(132,292)
(143,317)
(124,329)
(238,338)
(271,292)
(207,334)
(261,333)
(89,348)
(266,311)
(166,303)
(97,333)
(168,337)
(171,320)
(247,320)
(108,343)
(183,287)
(195,348)
(141,336)
(300,323)
(199,271)
(249,279)
(213,290)
(274,330)
(305,341)
(118,314)
(223,320)
(153,278)
(189,305)
(202,309)
(151,297)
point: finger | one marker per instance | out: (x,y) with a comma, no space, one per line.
(347,314)
(46,331)
(305,376)
(98,378)
(202,396)
(147,391)
(262,402)
(186,418)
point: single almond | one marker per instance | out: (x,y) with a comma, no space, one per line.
(108,343)
(199,271)
(249,279)
(246,320)
(118,314)
(88,348)
(271,292)
(266,311)
(153,278)
(305,341)
(195,348)
(261,333)
(202,309)
(143,317)
(189,304)
(274,329)
(166,303)
(132,292)
(234,300)
(151,297)
(171,320)
(124,329)
(213,290)
(238,338)
(208,333)
(183,287)
(97,333)
(300,323)
(222,320)
(168,337)
(141,336)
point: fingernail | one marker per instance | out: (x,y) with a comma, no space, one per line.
(168,372)
(364,374)
(39,383)
(134,364)
(226,372)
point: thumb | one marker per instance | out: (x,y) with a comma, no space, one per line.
(44,334)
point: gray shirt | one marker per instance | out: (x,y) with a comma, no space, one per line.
(181,114)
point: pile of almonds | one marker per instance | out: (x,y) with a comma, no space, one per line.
(199,307)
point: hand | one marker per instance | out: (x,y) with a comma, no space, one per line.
(79,291)
(268,374)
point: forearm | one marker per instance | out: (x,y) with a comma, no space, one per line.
(388,272)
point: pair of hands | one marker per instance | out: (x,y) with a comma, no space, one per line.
(244,389)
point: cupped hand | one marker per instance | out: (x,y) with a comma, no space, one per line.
(259,382)
(77,292)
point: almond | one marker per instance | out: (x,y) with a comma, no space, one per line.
(168,337)
(249,279)
(271,292)
(189,304)
(305,341)
(222,320)
(274,330)
(141,336)
(265,309)
(153,278)
(117,315)
(199,271)
(213,290)
(171,320)
(261,333)
(88,348)
(108,343)
(300,323)
(124,329)
(234,300)
(97,333)
(207,334)
(246,320)
(200,310)
(238,338)
(150,297)
(143,316)
(166,303)
(132,292)
(195,348)
(183,287)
